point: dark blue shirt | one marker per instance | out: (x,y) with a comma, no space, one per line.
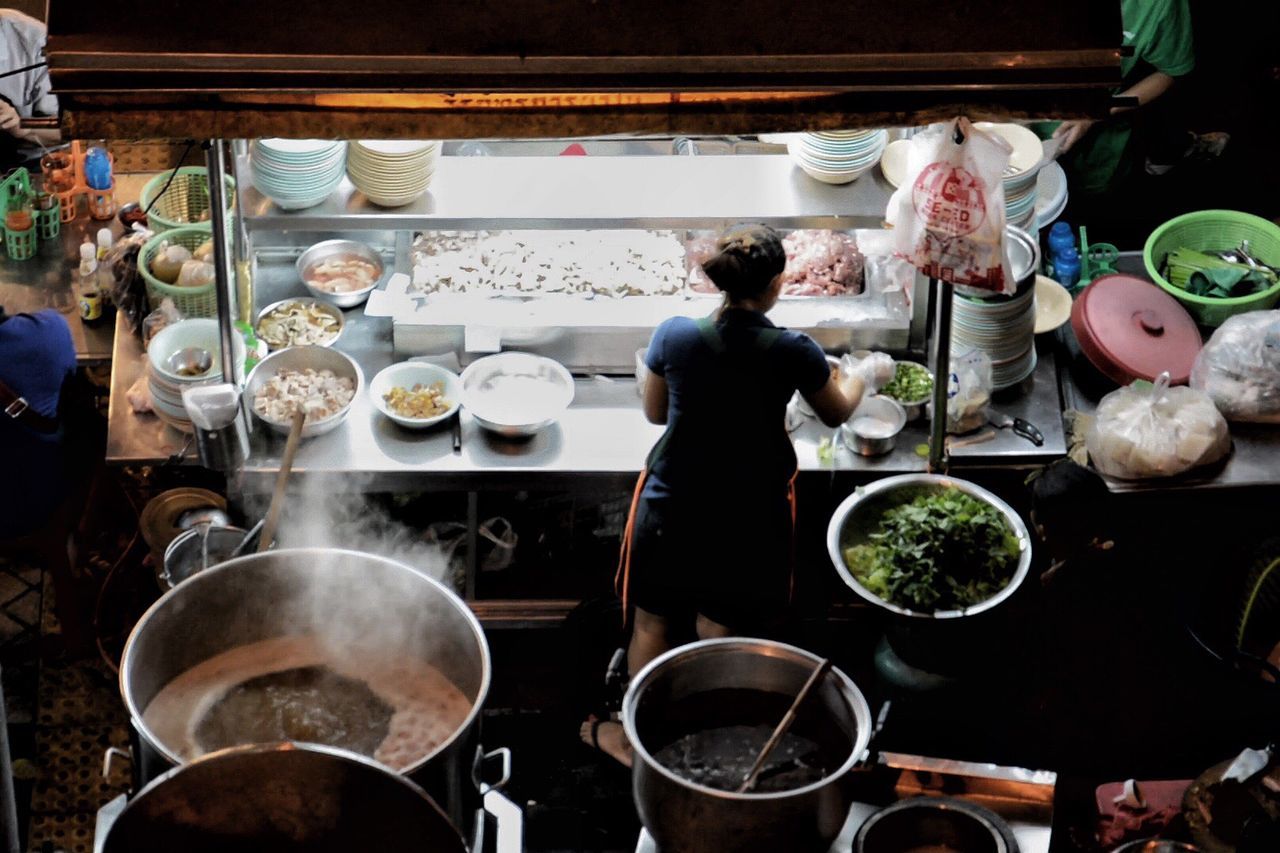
(728,388)
(36,357)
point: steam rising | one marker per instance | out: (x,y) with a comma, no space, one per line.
(332,514)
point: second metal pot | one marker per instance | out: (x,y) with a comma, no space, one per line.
(663,704)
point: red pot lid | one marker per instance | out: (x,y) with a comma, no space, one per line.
(1131,329)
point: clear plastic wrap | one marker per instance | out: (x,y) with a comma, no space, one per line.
(1145,431)
(948,216)
(1240,367)
(968,392)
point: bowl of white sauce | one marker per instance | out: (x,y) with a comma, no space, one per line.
(872,429)
(516,394)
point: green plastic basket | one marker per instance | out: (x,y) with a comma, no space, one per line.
(20,245)
(1210,230)
(191,301)
(184,203)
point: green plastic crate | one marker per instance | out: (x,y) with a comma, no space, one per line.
(1215,230)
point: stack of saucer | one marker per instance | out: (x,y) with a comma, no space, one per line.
(297,173)
(837,156)
(1001,326)
(392,172)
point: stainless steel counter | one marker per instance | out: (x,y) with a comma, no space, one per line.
(47,280)
(602,435)
(134,439)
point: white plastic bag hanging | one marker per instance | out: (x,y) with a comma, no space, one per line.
(948,215)
(1146,430)
(1240,367)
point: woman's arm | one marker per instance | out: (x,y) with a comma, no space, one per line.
(834,402)
(655,399)
(1145,90)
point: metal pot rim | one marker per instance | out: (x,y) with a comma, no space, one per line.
(857,704)
(135,713)
(987,818)
(862,493)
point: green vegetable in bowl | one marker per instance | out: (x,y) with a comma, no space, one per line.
(911,383)
(940,551)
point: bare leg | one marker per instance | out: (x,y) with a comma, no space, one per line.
(709,630)
(649,638)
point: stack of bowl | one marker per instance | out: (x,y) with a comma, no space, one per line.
(297,173)
(1020,188)
(183,355)
(392,172)
(837,156)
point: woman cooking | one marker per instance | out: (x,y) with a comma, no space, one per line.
(708,542)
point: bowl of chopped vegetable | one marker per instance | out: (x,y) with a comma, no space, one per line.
(911,387)
(416,394)
(927,546)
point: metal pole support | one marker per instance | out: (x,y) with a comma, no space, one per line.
(942,296)
(224,288)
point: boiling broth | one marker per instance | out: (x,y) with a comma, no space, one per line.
(721,758)
(311,704)
(294,688)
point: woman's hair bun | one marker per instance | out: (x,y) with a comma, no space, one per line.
(747,259)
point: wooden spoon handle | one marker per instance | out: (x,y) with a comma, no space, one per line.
(785,723)
(282,480)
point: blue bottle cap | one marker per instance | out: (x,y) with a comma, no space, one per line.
(1061,229)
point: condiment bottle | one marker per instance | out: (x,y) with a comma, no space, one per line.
(88,293)
(104,242)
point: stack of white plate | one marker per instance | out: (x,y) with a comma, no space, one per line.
(1003,327)
(837,156)
(1020,176)
(297,173)
(166,385)
(392,172)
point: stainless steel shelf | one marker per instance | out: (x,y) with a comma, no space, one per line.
(594,192)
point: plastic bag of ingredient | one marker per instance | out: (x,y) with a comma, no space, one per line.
(1240,367)
(875,369)
(1146,430)
(948,215)
(968,392)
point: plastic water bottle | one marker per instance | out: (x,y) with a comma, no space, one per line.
(1061,237)
(1066,267)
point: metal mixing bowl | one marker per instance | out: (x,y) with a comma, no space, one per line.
(301,358)
(934,823)
(329,249)
(882,409)
(328,308)
(509,413)
(859,515)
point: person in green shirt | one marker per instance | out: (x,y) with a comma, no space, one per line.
(1099,155)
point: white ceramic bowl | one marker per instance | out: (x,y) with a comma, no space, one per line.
(516,394)
(406,374)
(199,332)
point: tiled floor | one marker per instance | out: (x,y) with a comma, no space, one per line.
(62,715)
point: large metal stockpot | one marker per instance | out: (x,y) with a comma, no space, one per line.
(663,704)
(355,600)
(286,798)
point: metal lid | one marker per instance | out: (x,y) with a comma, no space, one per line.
(1024,253)
(1131,329)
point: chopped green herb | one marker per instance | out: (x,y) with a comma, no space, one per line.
(941,551)
(911,383)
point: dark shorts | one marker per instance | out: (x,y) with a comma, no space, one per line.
(731,566)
